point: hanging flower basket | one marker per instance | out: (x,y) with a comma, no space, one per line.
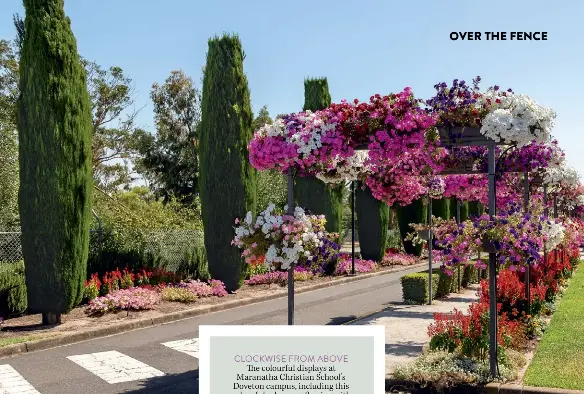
(463,136)
(424,234)
(487,247)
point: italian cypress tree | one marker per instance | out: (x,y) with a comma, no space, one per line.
(54,125)
(373,217)
(464,211)
(416,212)
(441,208)
(475,209)
(311,193)
(227,182)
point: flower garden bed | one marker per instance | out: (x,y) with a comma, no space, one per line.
(153,300)
(457,354)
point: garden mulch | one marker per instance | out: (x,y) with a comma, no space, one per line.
(25,333)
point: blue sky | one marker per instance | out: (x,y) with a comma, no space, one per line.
(363,47)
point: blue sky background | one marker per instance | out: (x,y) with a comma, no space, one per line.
(363,47)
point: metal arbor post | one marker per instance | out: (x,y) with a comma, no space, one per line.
(291,268)
(430,237)
(458,222)
(492,272)
(352,227)
(528,269)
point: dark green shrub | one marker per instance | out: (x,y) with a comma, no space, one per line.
(416,212)
(469,275)
(55,130)
(194,265)
(415,287)
(446,283)
(12,289)
(374,216)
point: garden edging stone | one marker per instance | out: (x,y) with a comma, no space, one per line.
(70,338)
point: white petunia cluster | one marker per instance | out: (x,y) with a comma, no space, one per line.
(563,177)
(350,169)
(289,240)
(520,120)
(554,233)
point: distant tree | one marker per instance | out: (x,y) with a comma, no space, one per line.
(169,158)
(8,135)
(54,126)
(262,118)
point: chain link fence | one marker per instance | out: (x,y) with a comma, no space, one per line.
(169,248)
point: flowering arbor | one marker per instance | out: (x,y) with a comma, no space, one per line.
(463,143)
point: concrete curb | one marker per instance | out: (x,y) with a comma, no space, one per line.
(491,388)
(70,338)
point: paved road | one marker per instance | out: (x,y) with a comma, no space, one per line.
(163,359)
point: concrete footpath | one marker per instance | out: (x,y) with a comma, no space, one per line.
(406,326)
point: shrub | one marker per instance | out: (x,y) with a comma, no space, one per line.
(274,277)
(445,283)
(178,294)
(415,287)
(12,289)
(194,264)
(345,265)
(202,289)
(469,275)
(135,298)
(392,258)
(416,212)
(92,288)
(440,370)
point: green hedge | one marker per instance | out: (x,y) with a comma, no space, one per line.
(12,289)
(415,287)
(469,275)
(416,212)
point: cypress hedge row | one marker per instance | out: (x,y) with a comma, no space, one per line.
(227,181)
(54,126)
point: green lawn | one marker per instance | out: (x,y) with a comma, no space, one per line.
(559,359)
(21,339)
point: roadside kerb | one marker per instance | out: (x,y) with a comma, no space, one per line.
(70,338)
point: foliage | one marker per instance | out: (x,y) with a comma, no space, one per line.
(441,370)
(441,208)
(374,216)
(132,299)
(12,289)
(416,212)
(199,288)
(345,265)
(227,182)
(415,287)
(170,159)
(54,119)
(468,334)
(8,135)
(178,294)
(272,189)
(394,257)
(115,134)
(444,284)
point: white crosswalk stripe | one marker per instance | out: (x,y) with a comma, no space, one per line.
(11,382)
(187,346)
(115,367)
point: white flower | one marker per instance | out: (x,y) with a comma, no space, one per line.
(520,120)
